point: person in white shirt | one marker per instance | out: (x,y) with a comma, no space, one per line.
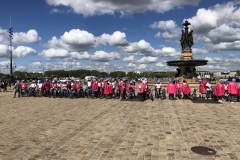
(209,90)
(113,85)
(39,85)
(158,88)
(33,84)
(89,83)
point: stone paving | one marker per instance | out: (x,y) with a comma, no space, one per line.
(108,129)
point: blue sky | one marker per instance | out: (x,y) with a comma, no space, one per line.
(110,35)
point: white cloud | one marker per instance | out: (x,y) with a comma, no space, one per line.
(74,40)
(20,51)
(100,7)
(4,37)
(116,39)
(142,66)
(54,53)
(19,37)
(131,65)
(30,37)
(81,55)
(140,48)
(200,51)
(149,59)
(231,56)
(80,40)
(23,51)
(165,25)
(161,64)
(129,59)
(157,35)
(209,19)
(103,56)
(4,51)
(172,32)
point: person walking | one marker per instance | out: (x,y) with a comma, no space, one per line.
(17,88)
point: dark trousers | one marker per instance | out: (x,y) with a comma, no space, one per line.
(16,92)
(231,97)
(171,96)
(140,95)
(185,96)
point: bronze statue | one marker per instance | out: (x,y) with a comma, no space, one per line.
(187,38)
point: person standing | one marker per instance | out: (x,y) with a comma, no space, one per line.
(219,90)
(5,84)
(122,87)
(201,88)
(232,90)
(185,89)
(140,90)
(171,89)
(209,90)
(17,88)
(95,87)
(158,88)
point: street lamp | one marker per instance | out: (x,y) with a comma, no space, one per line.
(11,37)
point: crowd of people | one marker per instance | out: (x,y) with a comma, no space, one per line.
(223,89)
(126,88)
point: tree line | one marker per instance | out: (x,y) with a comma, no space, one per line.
(83,73)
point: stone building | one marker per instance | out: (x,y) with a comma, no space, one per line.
(203,74)
(225,74)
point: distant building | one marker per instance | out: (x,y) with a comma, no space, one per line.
(225,74)
(203,74)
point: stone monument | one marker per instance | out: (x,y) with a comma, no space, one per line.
(186,65)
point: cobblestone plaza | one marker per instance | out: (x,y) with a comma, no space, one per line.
(71,129)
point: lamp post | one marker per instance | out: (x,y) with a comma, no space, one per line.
(11,37)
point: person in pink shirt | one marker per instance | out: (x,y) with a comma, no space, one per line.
(219,90)
(107,88)
(185,89)
(232,90)
(24,88)
(46,87)
(95,87)
(140,90)
(201,88)
(130,88)
(171,89)
(122,87)
(177,84)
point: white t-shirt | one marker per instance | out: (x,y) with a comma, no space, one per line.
(113,84)
(33,85)
(89,83)
(40,85)
(225,86)
(158,86)
(64,86)
(208,85)
(99,84)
